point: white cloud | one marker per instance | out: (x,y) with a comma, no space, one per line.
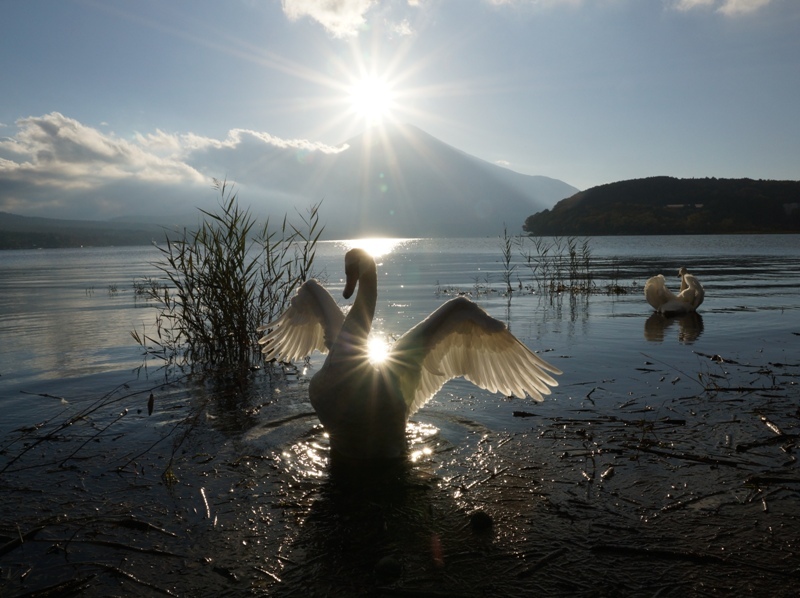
(735,7)
(536,3)
(726,7)
(342,18)
(62,152)
(403,28)
(236,136)
(56,166)
(684,5)
(187,145)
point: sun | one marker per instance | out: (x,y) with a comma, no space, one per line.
(371,98)
(377,350)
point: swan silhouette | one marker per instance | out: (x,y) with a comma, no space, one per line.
(664,301)
(364,406)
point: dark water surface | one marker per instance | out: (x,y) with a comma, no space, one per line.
(664,463)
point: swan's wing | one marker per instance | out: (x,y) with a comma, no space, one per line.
(312,321)
(657,293)
(460,339)
(693,293)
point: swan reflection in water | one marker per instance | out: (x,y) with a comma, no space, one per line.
(364,525)
(690,327)
(364,401)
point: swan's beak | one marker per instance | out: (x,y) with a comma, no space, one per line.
(349,287)
(351,274)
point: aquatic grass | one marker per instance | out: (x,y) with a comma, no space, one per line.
(147,287)
(224,280)
(557,265)
(614,287)
(507,246)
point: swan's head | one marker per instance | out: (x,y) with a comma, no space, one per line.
(356,262)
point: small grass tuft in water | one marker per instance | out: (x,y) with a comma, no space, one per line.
(557,265)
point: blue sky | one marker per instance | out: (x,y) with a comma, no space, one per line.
(119,98)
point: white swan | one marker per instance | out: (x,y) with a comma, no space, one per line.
(666,302)
(364,406)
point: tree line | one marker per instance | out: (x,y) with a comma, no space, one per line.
(667,205)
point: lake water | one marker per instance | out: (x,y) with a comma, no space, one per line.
(66,315)
(655,434)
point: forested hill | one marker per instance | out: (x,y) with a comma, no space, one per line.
(23,232)
(667,205)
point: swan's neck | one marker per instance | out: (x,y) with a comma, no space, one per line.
(358,322)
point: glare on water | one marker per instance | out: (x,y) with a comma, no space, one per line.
(376,246)
(640,396)
(750,284)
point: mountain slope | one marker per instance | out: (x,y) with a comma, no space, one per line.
(407,183)
(395,181)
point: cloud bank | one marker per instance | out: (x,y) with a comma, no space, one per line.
(55,166)
(727,7)
(342,18)
(347,18)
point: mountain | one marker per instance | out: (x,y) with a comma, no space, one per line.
(393,181)
(402,182)
(666,205)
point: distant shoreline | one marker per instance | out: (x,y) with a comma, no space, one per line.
(6,246)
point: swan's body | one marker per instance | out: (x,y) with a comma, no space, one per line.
(664,301)
(364,406)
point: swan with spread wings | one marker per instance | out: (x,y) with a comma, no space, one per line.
(364,406)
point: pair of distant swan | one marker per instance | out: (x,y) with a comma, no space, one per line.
(364,406)
(664,301)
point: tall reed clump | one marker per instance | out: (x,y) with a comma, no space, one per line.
(225,280)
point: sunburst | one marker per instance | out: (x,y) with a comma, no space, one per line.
(371,98)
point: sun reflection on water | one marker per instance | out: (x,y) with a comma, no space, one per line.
(421,440)
(309,458)
(376,246)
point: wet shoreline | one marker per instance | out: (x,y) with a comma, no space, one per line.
(697,495)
